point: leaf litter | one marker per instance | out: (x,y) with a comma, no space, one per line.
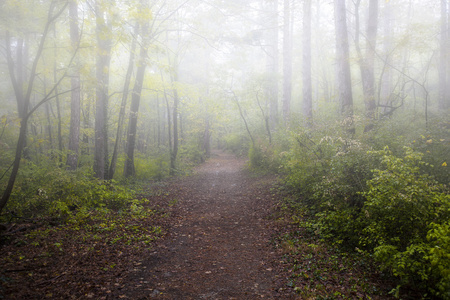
(217,234)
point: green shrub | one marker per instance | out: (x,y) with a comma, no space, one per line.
(147,168)
(435,148)
(236,143)
(256,156)
(406,220)
(384,203)
(41,191)
(425,265)
(438,255)
(191,154)
(402,202)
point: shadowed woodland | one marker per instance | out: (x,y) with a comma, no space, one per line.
(210,149)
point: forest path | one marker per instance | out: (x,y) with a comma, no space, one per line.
(219,247)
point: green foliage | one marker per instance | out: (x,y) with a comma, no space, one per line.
(387,203)
(329,172)
(191,154)
(402,202)
(425,265)
(435,147)
(438,241)
(147,168)
(236,143)
(256,157)
(405,213)
(43,189)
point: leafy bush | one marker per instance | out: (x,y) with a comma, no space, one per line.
(43,190)
(191,154)
(406,223)
(425,265)
(434,147)
(262,157)
(402,202)
(156,168)
(236,143)
(384,203)
(329,172)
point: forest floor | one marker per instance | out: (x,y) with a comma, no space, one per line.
(220,233)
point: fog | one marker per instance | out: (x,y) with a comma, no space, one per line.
(211,69)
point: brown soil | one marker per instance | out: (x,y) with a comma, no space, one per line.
(218,234)
(219,247)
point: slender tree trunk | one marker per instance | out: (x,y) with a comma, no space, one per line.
(241,113)
(444,57)
(21,142)
(386,80)
(446,104)
(169,122)
(102,73)
(343,63)
(366,62)
(272,62)
(58,103)
(75,109)
(174,153)
(206,146)
(129,169)
(266,120)
(20,81)
(372,28)
(307,82)
(287,62)
(158,120)
(126,87)
(86,125)
(182,137)
(49,127)
(20,71)
(59,127)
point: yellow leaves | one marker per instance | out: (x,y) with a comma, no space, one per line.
(141,14)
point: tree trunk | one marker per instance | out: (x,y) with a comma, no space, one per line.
(158,121)
(386,80)
(129,169)
(169,123)
(174,153)
(443,57)
(344,80)
(307,84)
(87,126)
(49,128)
(366,62)
(241,113)
(75,110)
(126,87)
(25,98)
(59,125)
(446,103)
(287,62)
(206,145)
(102,73)
(272,62)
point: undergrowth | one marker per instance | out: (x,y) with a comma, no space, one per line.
(381,194)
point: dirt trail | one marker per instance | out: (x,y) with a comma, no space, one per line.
(220,246)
